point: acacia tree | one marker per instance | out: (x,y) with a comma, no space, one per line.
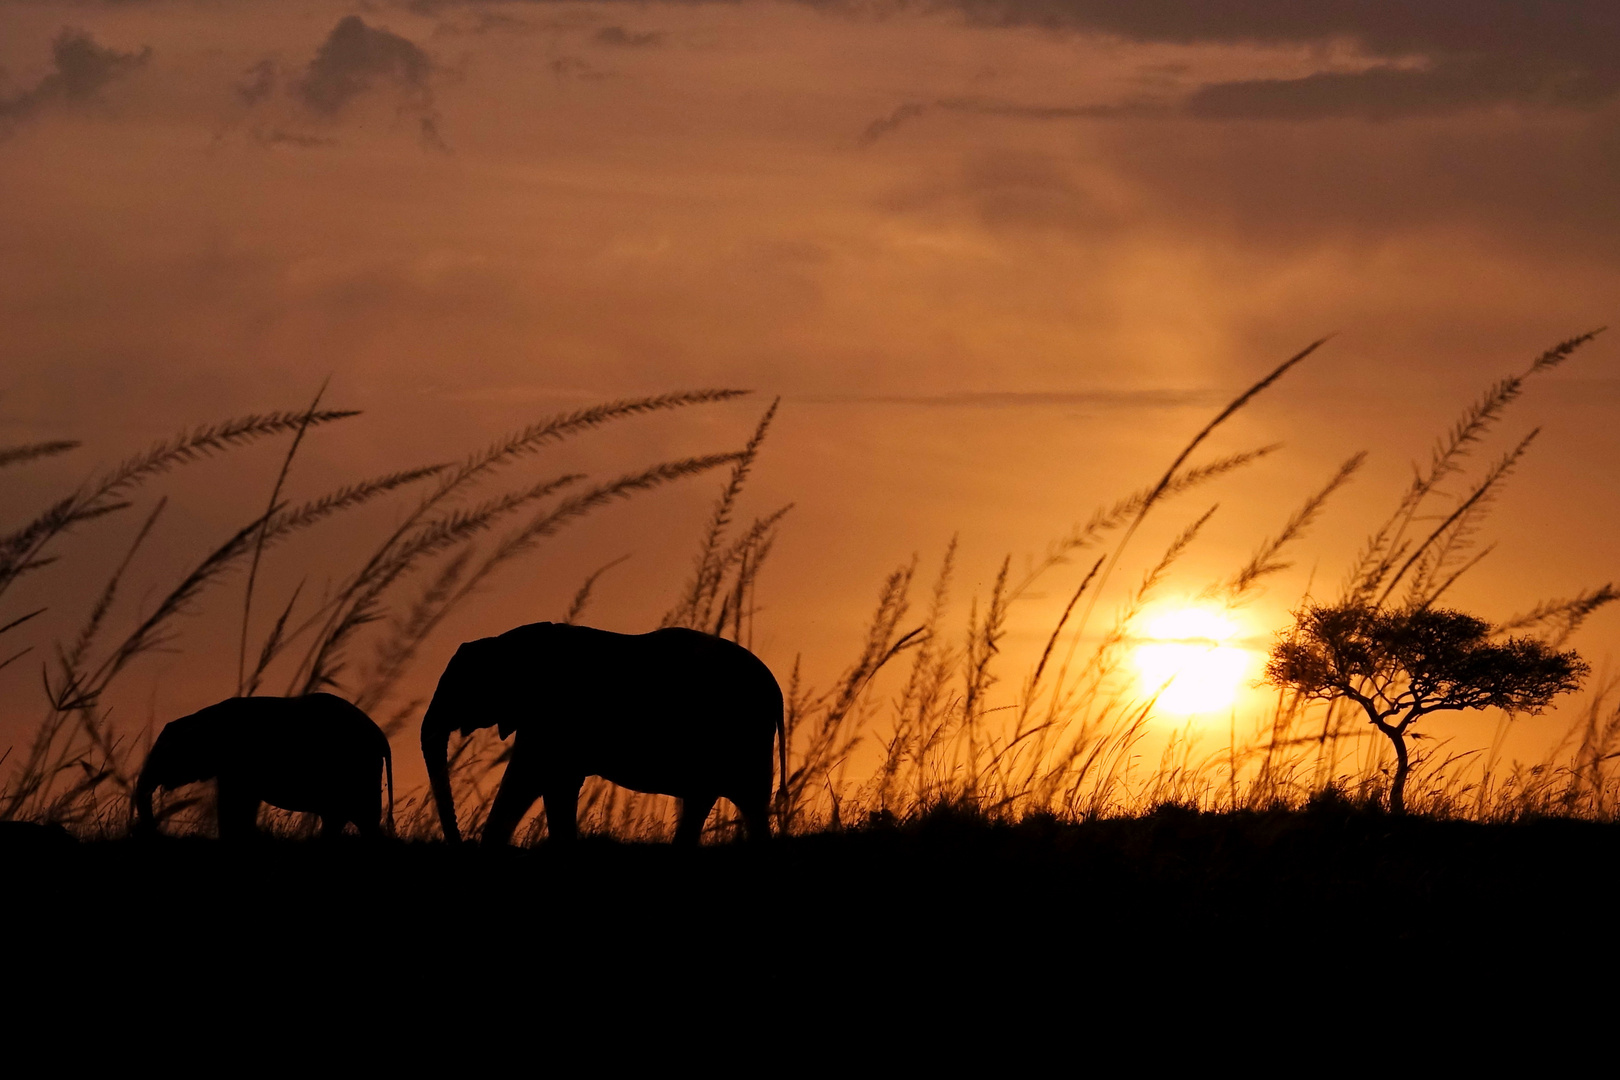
(1401,665)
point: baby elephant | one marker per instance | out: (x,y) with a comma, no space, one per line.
(313,753)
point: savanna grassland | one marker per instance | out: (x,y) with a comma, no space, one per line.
(941,817)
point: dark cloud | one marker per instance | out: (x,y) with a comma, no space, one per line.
(1428,56)
(1386,92)
(354,57)
(1390,27)
(634,39)
(81,70)
(355,60)
(1441,55)
(893,121)
(905,114)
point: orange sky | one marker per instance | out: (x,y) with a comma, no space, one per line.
(998,257)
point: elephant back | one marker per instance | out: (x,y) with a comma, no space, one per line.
(577,665)
(311,744)
(644,687)
(692,662)
(281,735)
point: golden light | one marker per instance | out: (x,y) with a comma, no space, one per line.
(1189,660)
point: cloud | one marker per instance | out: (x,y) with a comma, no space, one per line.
(81,70)
(354,57)
(892,122)
(1428,57)
(1469,53)
(355,61)
(905,114)
(1383,26)
(635,39)
(1387,92)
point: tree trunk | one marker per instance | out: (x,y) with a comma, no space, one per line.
(1403,765)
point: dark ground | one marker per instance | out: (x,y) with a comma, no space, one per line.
(938,915)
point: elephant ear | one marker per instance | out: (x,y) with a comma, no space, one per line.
(508,660)
(512,714)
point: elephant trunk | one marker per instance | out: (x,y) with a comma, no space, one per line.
(436,752)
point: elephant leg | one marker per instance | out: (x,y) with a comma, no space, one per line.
(367,820)
(372,807)
(359,801)
(694,812)
(756,813)
(238,811)
(519,789)
(562,810)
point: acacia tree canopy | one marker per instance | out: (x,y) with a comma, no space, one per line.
(1404,664)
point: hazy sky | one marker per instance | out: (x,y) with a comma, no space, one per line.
(999,258)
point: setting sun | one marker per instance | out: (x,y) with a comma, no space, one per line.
(1187,660)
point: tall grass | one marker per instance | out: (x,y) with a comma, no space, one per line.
(924,715)
(79,766)
(1067,736)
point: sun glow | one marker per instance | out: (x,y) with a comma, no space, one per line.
(1187,657)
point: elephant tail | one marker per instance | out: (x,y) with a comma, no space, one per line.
(388,767)
(782,757)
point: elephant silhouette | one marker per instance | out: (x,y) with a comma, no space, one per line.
(676,712)
(313,753)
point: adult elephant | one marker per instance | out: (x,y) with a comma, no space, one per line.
(676,712)
(314,753)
